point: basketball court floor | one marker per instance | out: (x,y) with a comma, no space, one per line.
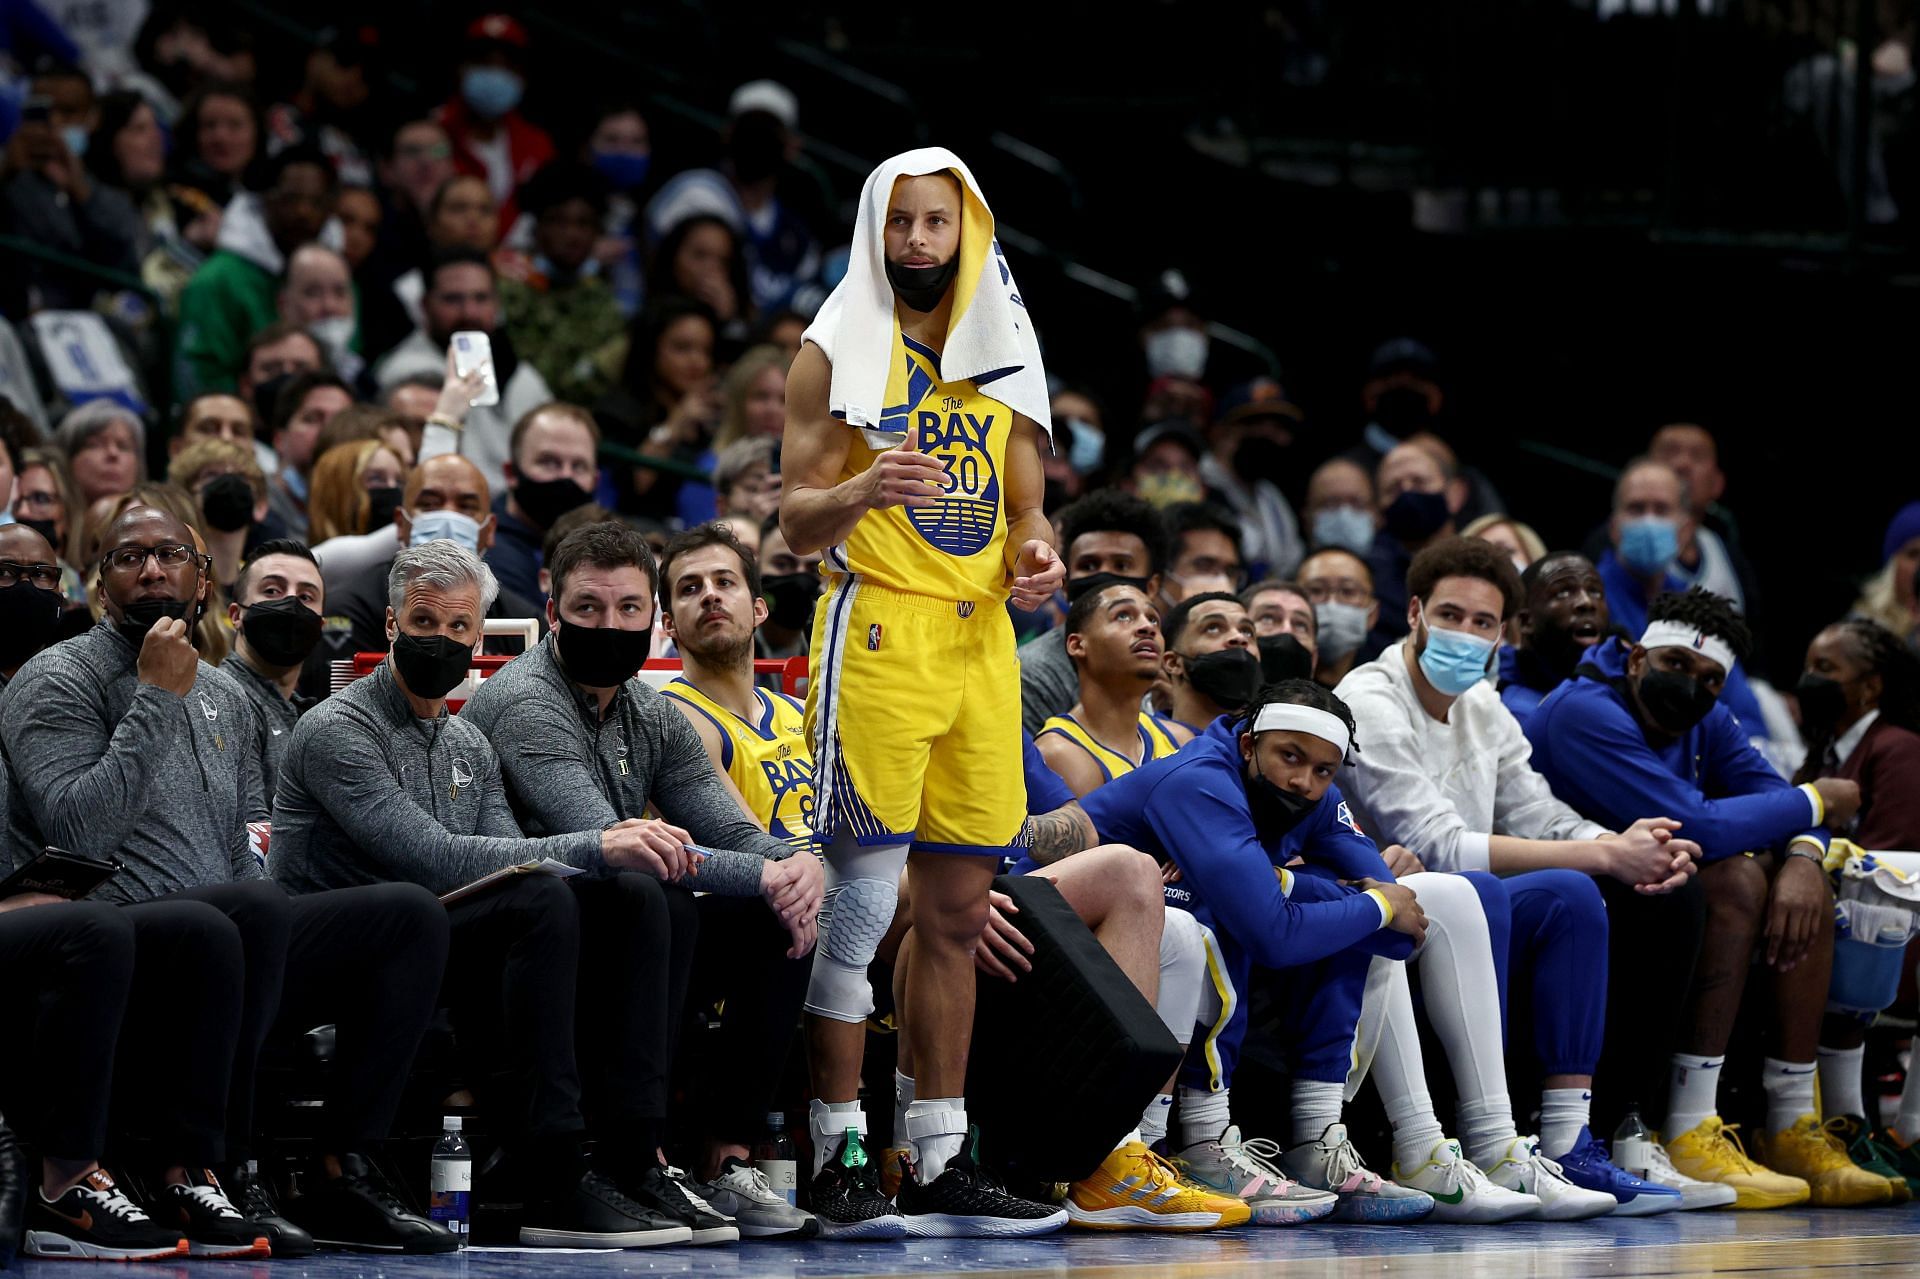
(1883,1242)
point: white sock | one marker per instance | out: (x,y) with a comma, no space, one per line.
(902,1098)
(1693,1093)
(1153,1120)
(1563,1113)
(1790,1096)
(828,1121)
(1316,1104)
(1840,1080)
(1486,1128)
(1203,1115)
(1416,1129)
(937,1130)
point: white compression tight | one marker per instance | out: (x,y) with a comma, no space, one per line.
(1461,995)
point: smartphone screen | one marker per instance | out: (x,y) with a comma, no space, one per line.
(472,350)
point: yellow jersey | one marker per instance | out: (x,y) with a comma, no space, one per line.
(767,759)
(952,550)
(1155,742)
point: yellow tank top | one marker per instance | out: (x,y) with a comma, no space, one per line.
(951,550)
(1155,742)
(767,759)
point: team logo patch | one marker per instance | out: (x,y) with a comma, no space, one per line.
(462,778)
(1344,815)
(873,638)
(964,608)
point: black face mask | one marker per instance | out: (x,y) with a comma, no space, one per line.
(28,618)
(1276,810)
(137,618)
(1556,650)
(430,665)
(1676,702)
(545,501)
(1078,586)
(281,631)
(227,502)
(601,656)
(382,502)
(45,528)
(922,287)
(1228,678)
(790,599)
(1259,457)
(1402,411)
(1284,657)
(1823,702)
(1415,517)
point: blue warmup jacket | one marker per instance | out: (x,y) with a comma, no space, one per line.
(1727,798)
(1627,604)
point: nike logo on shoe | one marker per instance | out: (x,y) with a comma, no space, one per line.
(1453,1198)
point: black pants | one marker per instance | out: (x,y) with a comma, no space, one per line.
(368,960)
(741,963)
(1653,944)
(564,995)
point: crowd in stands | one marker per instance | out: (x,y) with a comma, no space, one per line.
(1330,735)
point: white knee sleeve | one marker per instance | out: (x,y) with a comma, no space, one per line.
(863,888)
(1183,974)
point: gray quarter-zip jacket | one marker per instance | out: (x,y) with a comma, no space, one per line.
(273,719)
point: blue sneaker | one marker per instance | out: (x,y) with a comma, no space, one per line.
(1587,1165)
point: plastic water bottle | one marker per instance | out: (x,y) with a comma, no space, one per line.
(776,1158)
(1633,1144)
(452,1180)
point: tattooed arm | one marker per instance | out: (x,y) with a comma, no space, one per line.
(1061,833)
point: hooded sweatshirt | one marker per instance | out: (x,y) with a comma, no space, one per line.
(229,299)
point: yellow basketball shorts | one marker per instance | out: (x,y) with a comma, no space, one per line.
(913,713)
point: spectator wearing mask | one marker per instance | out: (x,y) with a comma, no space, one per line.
(381,785)
(233,295)
(328,110)
(1173,333)
(554,449)
(356,489)
(1203,553)
(1888,597)
(1340,585)
(1641,727)
(1404,397)
(620,149)
(276,613)
(461,295)
(1714,560)
(50,197)
(1340,511)
(1563,614)
(754,397)
(1211,662)
(218,143)
(317,295)
(31,603)
(781,252)
(1860,709)
(791,585)
(490,138)
(667,404)
(1113,639)
(106,448)
(143,754)
(1107,536)
(230,497)
(46,501)
(1284,629)
(273,355)
(556,301)
(1246,455)
(1166,464)
(1419,502)
(301,410)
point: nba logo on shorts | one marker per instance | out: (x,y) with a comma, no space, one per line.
(873,638)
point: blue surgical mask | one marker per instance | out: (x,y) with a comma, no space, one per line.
(431,526)
(1347,527)
(623,170)
(75,136)
(1086,445)
(1649,544)
(1454,661)
(491,91)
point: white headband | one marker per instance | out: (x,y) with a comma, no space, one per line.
(1305,719)
(1675,635)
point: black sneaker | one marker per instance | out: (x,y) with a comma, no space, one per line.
(252,1195)
(13,1193)
(845,1195)
(665,1190)
(95,1221)
(212,1225)
(358,1211)
(598,1215)
(967,1201)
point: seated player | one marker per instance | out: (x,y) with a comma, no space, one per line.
(1640,728)
(1563,613)
(1113,639)
(1210,665)
(1444,772)
(1229,811)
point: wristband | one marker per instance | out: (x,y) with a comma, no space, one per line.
(1386,907)
(1819,805)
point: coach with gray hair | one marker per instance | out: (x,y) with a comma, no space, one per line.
(381,784)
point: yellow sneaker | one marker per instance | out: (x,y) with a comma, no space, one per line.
(1135,1189)
(1710,1152)
(1812,1151)
(892,1160)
